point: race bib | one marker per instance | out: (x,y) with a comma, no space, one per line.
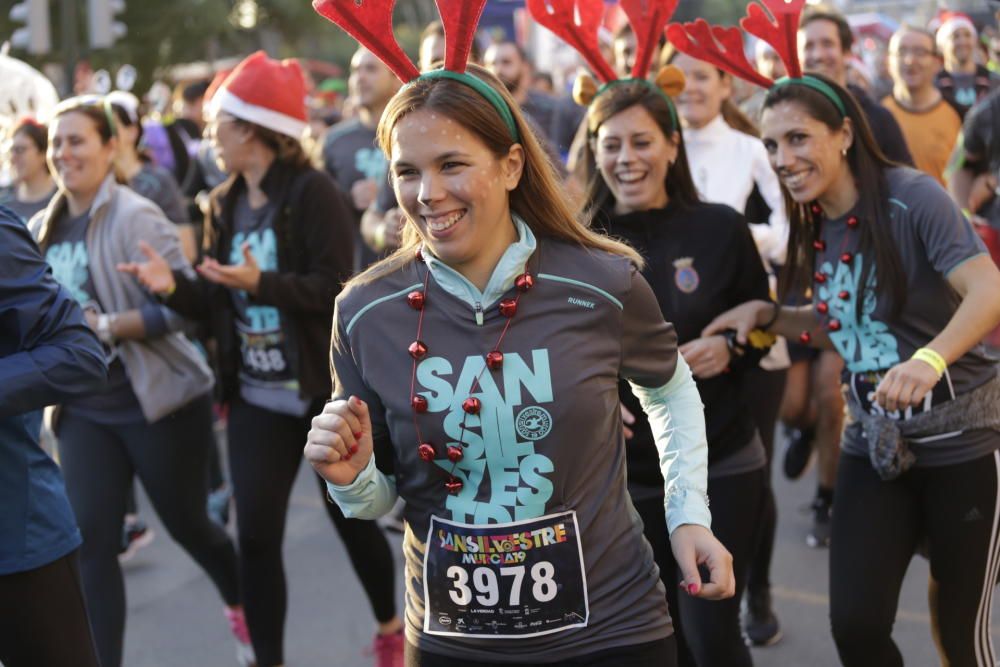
(263,355)
(505,581)
(863,386)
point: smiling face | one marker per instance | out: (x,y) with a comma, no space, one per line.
(633,156)
(78,158)
(912,60)
(26,161)
(820,50)
(960,47)
(804,152)
(455,191)
(705,89)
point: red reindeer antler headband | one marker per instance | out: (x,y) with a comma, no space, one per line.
(723,47)
(370,23)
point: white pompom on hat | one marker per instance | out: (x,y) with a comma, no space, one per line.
(950,22)
(266,92)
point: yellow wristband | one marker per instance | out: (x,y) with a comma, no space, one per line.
(932,359)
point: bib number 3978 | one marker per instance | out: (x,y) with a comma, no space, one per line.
(504,580)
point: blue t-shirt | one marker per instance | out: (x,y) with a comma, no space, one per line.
(267,378)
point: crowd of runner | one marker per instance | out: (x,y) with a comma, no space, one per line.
(552,338)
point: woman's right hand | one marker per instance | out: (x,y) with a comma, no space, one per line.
(744,318)
(339,444)
(155,273)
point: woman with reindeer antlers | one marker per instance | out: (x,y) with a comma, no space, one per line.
(476,376)
(700,259)
(904,290)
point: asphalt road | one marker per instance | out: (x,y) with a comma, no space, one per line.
(175,617)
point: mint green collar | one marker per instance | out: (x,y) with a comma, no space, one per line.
(510,266)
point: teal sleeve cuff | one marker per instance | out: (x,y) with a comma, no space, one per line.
(677,419)
(371,495)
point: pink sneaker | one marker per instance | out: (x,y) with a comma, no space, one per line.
(388,650)
(238,626)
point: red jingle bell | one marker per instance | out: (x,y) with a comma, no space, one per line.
(846,258)
(508,307)
(416,299)
(819,245)
(822,308)
(524,282)
(844,295)
(455,454)
(417,350)
(472,406)
(805,337)
(419,404)
(426,451)
(833,325)
(819,277)
(418,255)
(816,209)
(494,359)
(852,221)
(454,485)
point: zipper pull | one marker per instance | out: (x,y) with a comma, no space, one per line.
(479,313)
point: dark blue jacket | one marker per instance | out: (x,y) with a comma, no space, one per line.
(47,353)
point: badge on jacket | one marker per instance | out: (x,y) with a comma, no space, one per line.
(685,276)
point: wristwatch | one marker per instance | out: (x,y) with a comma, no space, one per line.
(104,324)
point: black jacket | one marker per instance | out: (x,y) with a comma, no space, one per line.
(315,235)
(725,270)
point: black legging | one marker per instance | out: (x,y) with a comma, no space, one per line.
(170,459)
(763,395)
(876,528)
(659,653)
(708,631)
(265,451)
(43,617)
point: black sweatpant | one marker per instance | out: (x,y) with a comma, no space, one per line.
(876,528)
(265,451)
(43,617)
(170,459)
(763,394)
(660,653)
(708,631)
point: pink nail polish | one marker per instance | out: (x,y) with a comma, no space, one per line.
(693,589)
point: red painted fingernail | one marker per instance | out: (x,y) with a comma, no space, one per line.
(348,457)
(354,450)
(357,434)
(693,589)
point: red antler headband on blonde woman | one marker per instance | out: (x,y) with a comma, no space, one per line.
(723,47)
(577,22)
(370,23)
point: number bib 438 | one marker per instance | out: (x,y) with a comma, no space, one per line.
(508,580)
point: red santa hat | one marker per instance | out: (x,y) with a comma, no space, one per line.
(950,22)
(266,92)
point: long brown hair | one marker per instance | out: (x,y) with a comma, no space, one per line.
(538,199)
(679,184)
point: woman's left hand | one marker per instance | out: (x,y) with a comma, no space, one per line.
(245,276)
(695,545)
(707,356)
(905,384)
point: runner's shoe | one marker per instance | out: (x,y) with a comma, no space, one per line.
(135,535)
(388,650)
(798,451)
(819,534)
(760,625)
(238,626)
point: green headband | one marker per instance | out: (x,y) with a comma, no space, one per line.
(817,85)
(648,84)
(484,89)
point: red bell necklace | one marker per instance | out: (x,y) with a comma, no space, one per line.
(821,277)
(470,406)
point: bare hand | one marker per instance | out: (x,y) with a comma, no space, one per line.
(627,420)
(339,444)
(695,545)
(154,274)
(707,357)
(363,193)
(394,221)
(744,318)
(905,384)
(245,276)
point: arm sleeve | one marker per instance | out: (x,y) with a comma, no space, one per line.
(662,381)
(325,225)
(373,492)
(47,351)
(947,236)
